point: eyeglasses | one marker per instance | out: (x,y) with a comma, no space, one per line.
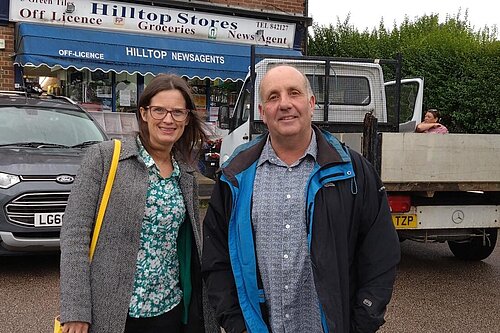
(159,113)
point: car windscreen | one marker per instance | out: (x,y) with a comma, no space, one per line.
(50,126)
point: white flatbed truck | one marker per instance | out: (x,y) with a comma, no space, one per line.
(441,188)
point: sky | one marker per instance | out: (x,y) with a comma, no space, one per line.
(368,13)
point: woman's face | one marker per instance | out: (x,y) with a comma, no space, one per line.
(429,118)
(165,132)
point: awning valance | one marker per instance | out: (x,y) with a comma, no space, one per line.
(59,46)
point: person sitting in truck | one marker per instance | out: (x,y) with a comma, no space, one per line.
(431,123)
(298,235)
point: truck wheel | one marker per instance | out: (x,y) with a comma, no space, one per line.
(475,249)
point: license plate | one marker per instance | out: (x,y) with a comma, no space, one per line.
(48,219)
(404,221)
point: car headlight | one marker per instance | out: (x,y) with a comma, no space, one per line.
(8,180)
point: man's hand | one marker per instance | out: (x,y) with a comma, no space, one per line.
(75,327)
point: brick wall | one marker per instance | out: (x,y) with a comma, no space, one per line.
(288,7)
(6,59)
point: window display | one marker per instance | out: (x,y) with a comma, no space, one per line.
(99,91)
(126,92)
(92,90)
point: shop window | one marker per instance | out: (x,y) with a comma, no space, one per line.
(148,78)
(43,79)
(199,91)
(98,90)
(223,94)
(126,92)
(75,86)
(93,90)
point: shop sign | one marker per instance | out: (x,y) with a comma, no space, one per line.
(165,21)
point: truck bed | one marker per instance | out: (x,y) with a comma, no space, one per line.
(435,162)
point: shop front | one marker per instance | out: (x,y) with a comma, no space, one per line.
(102,54)
(106,70)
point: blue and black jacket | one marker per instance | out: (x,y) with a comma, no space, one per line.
(354,246)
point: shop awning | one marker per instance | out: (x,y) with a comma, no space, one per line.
(63,47)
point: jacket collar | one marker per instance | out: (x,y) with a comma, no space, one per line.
(129,148)
(330,149)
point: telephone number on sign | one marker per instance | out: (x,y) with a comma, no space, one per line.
(282,27)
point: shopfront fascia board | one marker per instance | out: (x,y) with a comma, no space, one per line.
(156,20)
(226,9)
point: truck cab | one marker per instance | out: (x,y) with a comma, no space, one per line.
(345,91)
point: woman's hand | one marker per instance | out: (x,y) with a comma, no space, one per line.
(75,327)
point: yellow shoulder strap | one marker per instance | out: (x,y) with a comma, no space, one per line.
(105,197)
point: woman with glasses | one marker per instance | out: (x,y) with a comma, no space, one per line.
(145,273)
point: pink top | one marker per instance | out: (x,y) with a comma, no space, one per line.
(438,130)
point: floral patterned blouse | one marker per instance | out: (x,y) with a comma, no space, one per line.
(156,285)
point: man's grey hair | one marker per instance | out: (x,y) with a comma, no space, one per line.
(306,80)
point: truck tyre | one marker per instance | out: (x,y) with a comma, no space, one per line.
(475,249)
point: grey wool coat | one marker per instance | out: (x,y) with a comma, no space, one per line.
(99,292)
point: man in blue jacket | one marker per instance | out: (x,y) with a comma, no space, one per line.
(298,234)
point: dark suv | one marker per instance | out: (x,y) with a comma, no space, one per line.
(42,139)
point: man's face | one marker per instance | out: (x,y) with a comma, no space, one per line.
(286,107)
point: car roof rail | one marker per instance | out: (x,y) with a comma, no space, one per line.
(14,92)
(26,94)
(67,99)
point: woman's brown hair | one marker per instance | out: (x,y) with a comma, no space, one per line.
(434,113)
(194,134)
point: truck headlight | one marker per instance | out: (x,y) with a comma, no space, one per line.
(8,180)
